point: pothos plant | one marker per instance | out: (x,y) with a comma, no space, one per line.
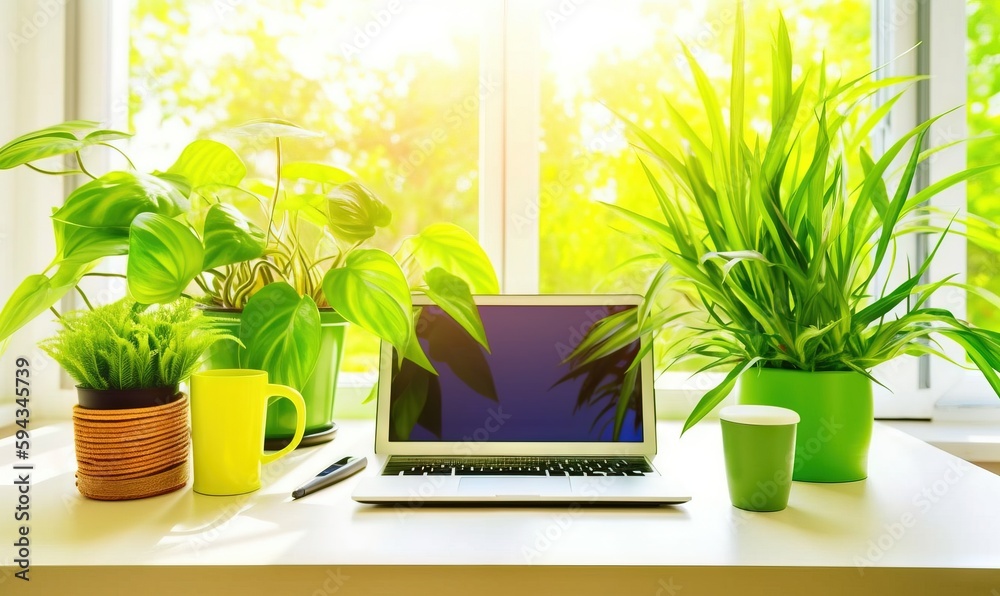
(279,247)
(771,244)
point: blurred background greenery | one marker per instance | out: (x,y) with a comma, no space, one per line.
(983,113)
(398,100)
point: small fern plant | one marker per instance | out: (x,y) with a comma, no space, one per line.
(126,345)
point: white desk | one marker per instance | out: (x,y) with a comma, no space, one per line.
(924,522)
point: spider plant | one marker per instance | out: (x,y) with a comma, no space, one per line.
(776,240)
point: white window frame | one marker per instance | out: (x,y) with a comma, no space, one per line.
(33,62)
(90,80)
(66,62)
(509,132)
(960,395)
(932,388)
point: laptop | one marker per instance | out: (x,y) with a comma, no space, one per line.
(521,423)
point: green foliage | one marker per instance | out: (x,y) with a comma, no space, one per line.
(304,233)
(61,139)
(278,329)
(371,290)
(776,241)
(319,222)
(229,237)
(126,346)
(164,256)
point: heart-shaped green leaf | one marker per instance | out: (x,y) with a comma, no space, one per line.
(230,237)
(453,249)
(414,352)
(163,257)
(114,199)
(68,137)
(281,332)
(36,294)
(71,128)
(104,136)
(371,292)
(354,212)
(180,183)
(88,244)
(255,207)
(38,148)
(452,294)
(206,162)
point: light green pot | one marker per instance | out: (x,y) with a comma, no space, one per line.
(831,443)
(319,391)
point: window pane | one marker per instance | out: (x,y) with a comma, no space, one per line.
(983,110)
(393,86)
(626,56)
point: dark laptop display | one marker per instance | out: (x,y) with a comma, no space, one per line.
(523,390)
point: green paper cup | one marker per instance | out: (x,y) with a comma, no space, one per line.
(759,443)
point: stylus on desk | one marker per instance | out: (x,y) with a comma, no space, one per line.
(331,475)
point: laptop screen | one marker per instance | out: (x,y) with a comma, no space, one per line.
(525,389)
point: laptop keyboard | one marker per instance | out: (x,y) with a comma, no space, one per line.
(518,466)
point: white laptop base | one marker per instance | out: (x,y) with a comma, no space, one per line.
(414,491)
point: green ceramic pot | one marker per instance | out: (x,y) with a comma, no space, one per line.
(832,439)
(318,391)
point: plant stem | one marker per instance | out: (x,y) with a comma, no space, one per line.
(263,205)
(277,187)
(79,162)
(51,173)
(342,257)
(79,291)
(102,274)
(324,259)
(120,152)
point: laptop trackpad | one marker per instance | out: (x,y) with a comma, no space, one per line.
(492,486)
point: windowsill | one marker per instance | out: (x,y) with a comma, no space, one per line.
(971,441)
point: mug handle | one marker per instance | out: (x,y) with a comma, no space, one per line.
(300,422)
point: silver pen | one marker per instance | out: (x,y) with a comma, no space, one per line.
(331,475)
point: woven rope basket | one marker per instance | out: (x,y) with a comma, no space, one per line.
(133,453)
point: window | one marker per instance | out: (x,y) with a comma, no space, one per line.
(494,114)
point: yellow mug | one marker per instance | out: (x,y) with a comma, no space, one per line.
(228,409)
